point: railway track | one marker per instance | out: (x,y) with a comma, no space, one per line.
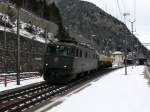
(32,95)
(19,100)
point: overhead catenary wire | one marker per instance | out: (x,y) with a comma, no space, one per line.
(119,9)
(135,11)
(123,4)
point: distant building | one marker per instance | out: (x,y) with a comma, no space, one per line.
(136,58)
(140,59)
(118,58)
(131,58)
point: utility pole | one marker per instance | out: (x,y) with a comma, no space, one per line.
(132,37)
(46,43)
(18,5)
(45,49)
(18,47)
(5,40)
(125,14)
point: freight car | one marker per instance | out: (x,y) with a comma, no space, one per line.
(66,60)
(104,61)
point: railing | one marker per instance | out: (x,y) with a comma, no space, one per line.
(7,78)
(4,78)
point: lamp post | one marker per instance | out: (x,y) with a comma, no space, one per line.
(125,14)
(132,38)
(18,47)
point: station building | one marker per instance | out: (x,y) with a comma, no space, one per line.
(118,58)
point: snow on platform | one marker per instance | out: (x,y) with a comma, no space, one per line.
(13,85)
(114,92)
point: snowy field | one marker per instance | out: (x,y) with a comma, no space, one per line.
(114,92)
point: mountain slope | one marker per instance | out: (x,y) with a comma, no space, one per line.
(96,25)
(86,22)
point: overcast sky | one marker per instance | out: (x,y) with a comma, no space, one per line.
(138,9)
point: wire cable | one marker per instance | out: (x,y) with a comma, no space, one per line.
(123,4)
(119,9)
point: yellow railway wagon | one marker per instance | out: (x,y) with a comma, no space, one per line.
(104,61)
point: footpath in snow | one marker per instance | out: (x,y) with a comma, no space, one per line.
(115,92)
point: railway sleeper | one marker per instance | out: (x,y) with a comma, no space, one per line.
(11,96)
(18,103)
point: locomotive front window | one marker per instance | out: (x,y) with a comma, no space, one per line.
(61,50)
(65,51)
(51,50)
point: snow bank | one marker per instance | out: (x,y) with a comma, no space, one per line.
(114,92)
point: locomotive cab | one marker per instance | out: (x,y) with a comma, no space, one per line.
(58,63)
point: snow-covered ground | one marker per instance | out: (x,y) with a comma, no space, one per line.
(38,32)
(115,92)
(13,85)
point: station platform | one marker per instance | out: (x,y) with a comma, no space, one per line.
(114,92)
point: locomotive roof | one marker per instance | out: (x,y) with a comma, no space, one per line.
(74,44)
(63,43)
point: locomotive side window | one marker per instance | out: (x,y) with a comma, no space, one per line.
(94,56)
(51,50)
(60,50)
(89,55)
(86,54)
(63,51)
(71,51)
(66,51)
(77,52)
(80,53)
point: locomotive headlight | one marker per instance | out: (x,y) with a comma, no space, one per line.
(65,66)
(46,64)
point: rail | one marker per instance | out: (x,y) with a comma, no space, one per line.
(25,98)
